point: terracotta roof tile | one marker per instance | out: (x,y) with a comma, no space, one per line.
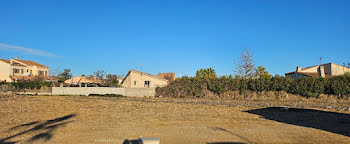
(31,63)
(6,61)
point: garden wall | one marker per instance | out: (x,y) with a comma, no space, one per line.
(138,92)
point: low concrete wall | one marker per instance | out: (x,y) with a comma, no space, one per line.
(138,92)
(86,90)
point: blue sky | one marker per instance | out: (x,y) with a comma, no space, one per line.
(178,36)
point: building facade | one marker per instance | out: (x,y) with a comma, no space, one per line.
(324,70)
(12,69)
(137,79)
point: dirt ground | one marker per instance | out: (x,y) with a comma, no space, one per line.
(81,119)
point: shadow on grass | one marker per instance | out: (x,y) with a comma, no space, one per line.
(328,121)
(46,127)
(127,141)
(227,131)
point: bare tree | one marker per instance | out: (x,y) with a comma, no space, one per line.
(99,74)
(245,65)
(54,71)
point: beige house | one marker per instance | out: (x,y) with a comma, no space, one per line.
(13,69)
(137,79)
(324,70)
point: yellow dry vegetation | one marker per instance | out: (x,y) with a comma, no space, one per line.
(82,119)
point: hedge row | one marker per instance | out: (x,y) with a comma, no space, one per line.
(27,84)
(308,87)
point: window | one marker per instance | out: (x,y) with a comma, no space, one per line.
(15,70)
(40,73)
(147,84)
(21,71)
(135,83)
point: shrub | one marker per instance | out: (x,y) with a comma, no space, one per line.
(307,87)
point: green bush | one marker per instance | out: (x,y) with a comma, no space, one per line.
(307,87)
(27,84)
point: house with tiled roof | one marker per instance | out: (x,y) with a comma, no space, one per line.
(137,79)
(17,69)
(323,70)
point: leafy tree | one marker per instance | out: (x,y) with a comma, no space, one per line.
(261,72)
(245,66)
(206,74)
(347,74)
(111,79)
(66,74)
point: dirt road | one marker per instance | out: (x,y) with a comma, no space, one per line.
(80,119)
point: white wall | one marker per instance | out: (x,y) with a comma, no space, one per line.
(138,92)
(86,90)
(5,72)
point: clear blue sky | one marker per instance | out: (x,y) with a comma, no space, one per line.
(178,36)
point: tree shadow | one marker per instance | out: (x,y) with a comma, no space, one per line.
(328,121)
(46,127)
(227,131)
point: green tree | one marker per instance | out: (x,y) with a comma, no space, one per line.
(206,74)
(66,74)
(261,72)
(111,79)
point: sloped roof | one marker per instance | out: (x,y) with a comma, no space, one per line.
(82,79)
(316,66)
(6,61)
(25,62)
(135,71)
(31,63)
(309,74)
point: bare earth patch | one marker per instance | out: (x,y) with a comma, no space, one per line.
(81,119)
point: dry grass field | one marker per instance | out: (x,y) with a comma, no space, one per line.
(81,119)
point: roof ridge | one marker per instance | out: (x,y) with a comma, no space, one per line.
(30,62)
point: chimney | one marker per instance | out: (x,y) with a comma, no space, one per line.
(322,74)
(17,58)
(298,69)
